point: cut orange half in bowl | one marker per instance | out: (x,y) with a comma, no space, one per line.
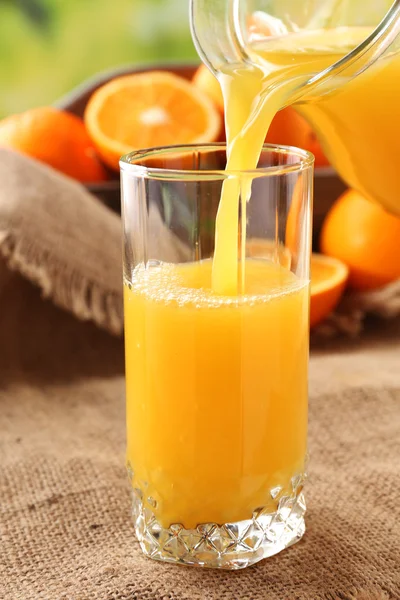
(143,110)
(328,281)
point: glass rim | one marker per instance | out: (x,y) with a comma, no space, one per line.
(305,161)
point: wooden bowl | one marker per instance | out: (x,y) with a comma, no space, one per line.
(327,185)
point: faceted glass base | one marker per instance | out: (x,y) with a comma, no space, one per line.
(229,546)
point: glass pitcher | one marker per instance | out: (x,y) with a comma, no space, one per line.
(353,105)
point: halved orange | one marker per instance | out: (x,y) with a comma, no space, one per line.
(155,108)
(328,281)
(328,275)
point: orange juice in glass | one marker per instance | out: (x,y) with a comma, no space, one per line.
(216,381)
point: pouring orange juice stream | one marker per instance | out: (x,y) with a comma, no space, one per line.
(253,94)
(218,420)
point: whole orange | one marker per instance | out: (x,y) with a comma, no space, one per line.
(208,83)
(54,137)
(291,129)
(365,237)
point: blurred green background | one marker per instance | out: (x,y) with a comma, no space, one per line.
(49,46)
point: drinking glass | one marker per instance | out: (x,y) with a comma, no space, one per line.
(216,384)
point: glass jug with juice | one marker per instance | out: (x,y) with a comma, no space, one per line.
(336,61)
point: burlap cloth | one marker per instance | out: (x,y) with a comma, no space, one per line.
(65,528)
